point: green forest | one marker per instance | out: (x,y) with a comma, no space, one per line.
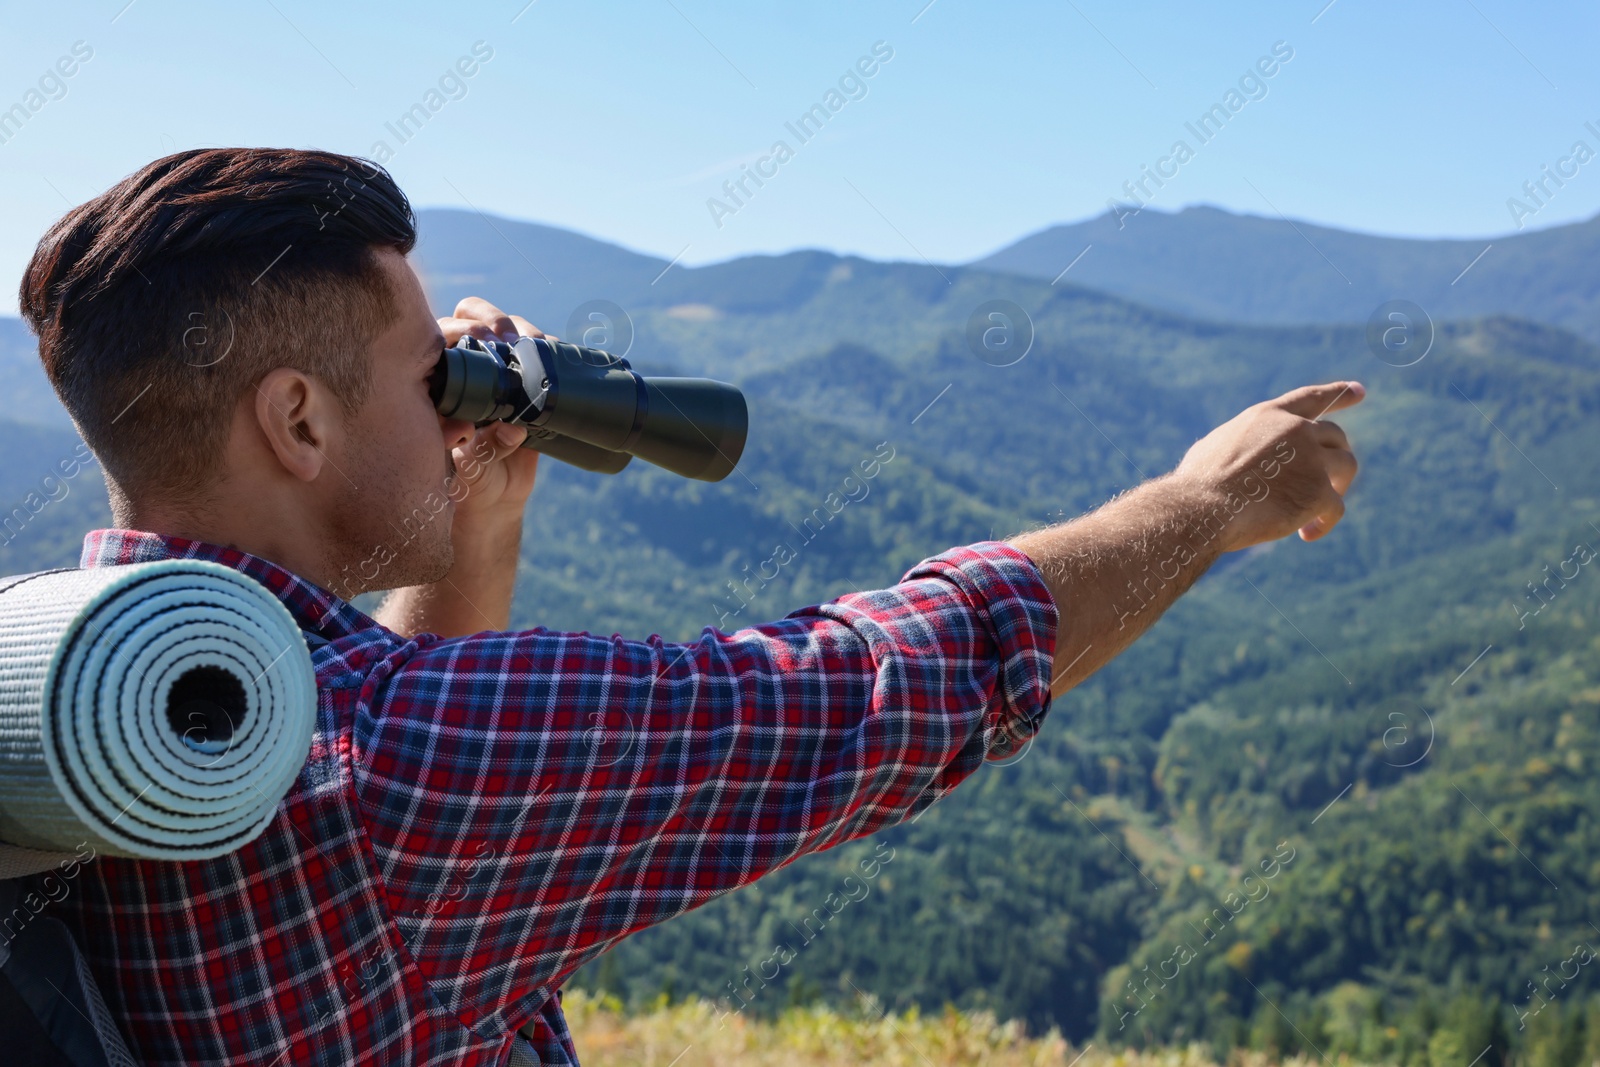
(1341,800)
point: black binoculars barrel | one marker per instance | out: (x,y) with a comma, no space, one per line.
(580,455)
(589,408)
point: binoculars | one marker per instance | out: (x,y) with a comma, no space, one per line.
(589,408)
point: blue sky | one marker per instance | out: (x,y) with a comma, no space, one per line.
(990,121)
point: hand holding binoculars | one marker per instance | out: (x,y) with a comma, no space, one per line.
(589,408)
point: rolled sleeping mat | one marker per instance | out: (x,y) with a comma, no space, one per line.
(156,710)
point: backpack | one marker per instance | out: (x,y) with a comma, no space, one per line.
(51,1011)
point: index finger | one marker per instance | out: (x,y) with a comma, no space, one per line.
(455,329)
(1314,401)
(479,309)
(528,329)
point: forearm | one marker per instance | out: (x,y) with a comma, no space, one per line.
(474,596)
(1115,570)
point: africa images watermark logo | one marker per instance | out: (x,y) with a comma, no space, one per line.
(852,85)
(51,85)
(1251,86)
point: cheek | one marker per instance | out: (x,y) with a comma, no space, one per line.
(420,455)
(402,452)
(415,441)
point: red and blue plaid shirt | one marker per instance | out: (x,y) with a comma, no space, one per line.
(479,816)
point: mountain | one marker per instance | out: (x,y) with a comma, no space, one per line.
(1291,678)
(30,398)
(719,318)
(552,271)
(1213,264)
(1264,696)
(1396,722)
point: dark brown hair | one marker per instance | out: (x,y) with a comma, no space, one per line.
(164,299)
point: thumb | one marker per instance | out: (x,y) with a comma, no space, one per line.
(509,435)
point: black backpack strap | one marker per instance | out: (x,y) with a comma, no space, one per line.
(521,1053)
(51,1011)
(19,862)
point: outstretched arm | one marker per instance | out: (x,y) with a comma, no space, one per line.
(1271,470)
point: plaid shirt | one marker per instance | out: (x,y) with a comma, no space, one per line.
(479,816)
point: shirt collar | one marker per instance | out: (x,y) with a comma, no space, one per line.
(314,608)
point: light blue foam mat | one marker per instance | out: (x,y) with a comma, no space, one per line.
(156,710)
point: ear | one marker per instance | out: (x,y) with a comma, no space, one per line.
(300,421)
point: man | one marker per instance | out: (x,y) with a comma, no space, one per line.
(240,339)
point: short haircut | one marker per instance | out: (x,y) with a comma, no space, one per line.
(163,300)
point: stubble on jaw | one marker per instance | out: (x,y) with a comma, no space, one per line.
(378,544)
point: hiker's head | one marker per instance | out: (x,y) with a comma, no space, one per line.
(238,335)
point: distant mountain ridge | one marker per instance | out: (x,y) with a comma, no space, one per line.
(1213,264)
(1200,262)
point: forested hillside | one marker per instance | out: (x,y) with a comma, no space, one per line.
(1339,800)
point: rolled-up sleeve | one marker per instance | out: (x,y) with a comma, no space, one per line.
(531,797)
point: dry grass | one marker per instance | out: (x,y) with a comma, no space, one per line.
(696,1033)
